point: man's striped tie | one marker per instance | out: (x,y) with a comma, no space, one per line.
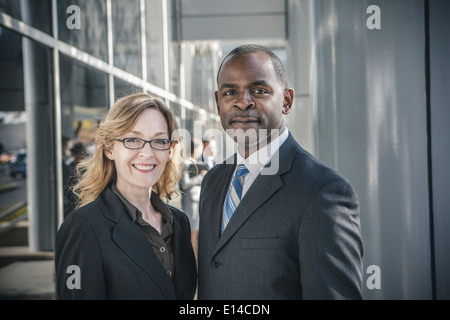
(234,195)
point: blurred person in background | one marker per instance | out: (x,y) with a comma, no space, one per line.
(209,152)
(71,176)
(191,180)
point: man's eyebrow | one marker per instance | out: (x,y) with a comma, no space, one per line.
(260,83)
(227,85)
(254,83)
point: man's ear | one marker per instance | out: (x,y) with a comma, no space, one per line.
(216,95)
(288,100)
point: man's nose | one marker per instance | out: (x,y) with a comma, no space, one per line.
(244,101)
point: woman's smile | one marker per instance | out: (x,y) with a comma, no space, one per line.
(145,168)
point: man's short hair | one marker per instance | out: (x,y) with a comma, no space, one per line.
(280,73)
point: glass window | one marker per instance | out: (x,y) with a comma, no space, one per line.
(127,36)
(84,99)
(30,138)
(92,37)
(36,13)
(174,48)
(11,64)
(123,88)
(189,121)
(154,38)
(176,108)
(204,77)
(12,108)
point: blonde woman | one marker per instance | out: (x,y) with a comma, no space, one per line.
(124,242)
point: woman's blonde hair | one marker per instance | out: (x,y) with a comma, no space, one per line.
(99,171)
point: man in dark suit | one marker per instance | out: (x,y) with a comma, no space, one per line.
(288,227)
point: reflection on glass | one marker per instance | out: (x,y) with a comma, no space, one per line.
(123,88)
(92,36)
(11,64)
(204,76)
(155,47)
(174,48)
(36,13)
(84,99)
(40,142)
(126,36)
(189,120)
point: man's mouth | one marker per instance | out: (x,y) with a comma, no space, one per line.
(239,120)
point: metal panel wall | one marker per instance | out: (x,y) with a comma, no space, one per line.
(299,121)
(232,19)
(440,139)
(370,119)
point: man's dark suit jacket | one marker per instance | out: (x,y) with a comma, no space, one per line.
(115,258)
(294,235)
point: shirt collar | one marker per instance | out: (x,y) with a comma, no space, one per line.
(134,212)
(257,160)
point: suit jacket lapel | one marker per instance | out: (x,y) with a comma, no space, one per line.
(179,255)
(130,238)
(261,190)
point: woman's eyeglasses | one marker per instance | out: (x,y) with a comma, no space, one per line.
(137,143)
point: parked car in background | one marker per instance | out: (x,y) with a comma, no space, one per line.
(18,165)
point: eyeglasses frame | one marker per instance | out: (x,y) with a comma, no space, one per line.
(171,142)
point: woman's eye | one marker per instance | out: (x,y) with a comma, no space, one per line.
(132,140)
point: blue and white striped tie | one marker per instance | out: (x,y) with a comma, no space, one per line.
(234,195)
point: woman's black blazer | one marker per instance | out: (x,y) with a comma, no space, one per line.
(101,253)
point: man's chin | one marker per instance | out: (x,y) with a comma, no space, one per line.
(245,126)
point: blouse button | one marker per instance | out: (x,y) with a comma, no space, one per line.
(162,249)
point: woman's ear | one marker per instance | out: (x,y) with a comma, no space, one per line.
(107,152)
(171,150)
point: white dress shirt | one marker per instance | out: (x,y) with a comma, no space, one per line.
(257,160)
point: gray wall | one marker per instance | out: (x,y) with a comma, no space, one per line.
(371,122)
(232,19)
(369,105)
(300,119)
(440,140)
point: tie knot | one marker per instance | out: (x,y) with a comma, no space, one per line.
(242,170)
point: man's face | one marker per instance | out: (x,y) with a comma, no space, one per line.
(249,96)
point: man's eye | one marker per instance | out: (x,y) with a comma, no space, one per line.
(229,92)
(260,91)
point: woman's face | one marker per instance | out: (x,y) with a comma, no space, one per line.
(140,169)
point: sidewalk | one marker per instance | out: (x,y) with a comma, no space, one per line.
(24,274)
